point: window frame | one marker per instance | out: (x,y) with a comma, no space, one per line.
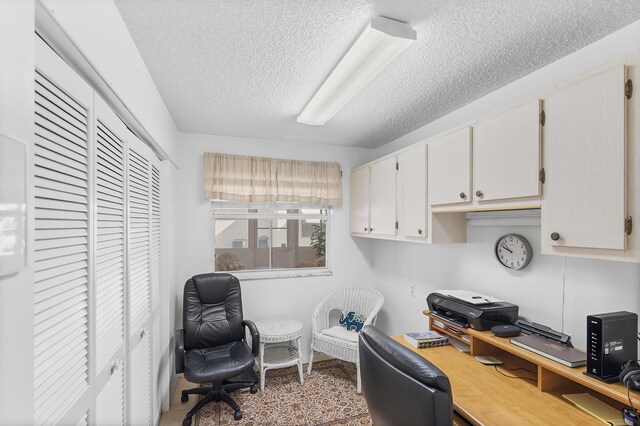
(258,274)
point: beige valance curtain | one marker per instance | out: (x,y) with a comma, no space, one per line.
(259,179)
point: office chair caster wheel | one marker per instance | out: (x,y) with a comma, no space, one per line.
(253,389)
(184,398)
(236,416)
(186,421)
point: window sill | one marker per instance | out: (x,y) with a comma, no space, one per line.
(280,273)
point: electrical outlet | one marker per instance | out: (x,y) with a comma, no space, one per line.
(413,290)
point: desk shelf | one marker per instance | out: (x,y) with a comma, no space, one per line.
(552,377)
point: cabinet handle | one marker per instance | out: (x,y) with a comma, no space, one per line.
(419,231)
(463,195)
(479,193)
(365,229)
(370,229)
(555,236)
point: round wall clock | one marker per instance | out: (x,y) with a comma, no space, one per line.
(513,251)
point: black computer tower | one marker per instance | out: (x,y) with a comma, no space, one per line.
(611,340)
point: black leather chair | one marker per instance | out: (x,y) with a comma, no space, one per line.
(212,347)
(400,386)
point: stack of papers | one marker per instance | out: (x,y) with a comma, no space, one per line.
(598,409)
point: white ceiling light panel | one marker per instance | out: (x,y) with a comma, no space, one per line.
(380,43)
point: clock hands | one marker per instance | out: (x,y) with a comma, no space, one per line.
(513,251)
(506,248)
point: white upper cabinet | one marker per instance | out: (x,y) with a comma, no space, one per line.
(584,160)
(414,172)
(374,199)
(449,168)
(573,152)
(360,188)
(506,154)
(383,197)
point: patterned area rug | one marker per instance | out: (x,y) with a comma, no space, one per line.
(328,397)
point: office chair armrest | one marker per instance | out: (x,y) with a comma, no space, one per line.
(255,336)
(179,339)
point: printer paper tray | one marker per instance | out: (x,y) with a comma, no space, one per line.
(452,320)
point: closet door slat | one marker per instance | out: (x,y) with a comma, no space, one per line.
(61,285)
(110,265)
(155,237)
(139,248)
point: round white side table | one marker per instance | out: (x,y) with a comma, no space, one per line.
(277,337)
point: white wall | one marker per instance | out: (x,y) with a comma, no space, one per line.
(591,286)
(286,297)
(16,291)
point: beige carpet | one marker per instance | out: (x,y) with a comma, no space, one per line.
(328,397)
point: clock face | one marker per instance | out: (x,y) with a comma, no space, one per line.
(513,251)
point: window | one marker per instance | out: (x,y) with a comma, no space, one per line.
(284,235)
(270,241)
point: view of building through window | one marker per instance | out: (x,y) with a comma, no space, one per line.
(268,239)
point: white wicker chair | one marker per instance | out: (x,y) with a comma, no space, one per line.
(363,301)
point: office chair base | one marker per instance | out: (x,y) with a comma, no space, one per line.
(210,395)
(220,393)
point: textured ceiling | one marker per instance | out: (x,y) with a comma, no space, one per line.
(247,68)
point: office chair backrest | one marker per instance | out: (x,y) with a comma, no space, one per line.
(212,311)
(400,386)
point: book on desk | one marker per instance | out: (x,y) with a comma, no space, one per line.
(551,349)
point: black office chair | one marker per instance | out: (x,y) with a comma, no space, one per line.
(212,347)
(400,386)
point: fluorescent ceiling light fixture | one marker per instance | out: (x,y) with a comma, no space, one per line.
(380,43)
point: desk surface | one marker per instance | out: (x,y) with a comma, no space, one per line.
(485,397)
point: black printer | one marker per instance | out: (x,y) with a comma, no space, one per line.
(480,314)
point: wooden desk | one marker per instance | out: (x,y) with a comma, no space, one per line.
(483,396)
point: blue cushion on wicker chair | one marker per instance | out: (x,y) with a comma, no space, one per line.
(352,321)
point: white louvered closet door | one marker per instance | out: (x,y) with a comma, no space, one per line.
(139,288)
(109,265)
(63,102)
(155,285)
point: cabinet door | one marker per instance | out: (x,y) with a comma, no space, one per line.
(506,154)
(359,193)
(414,172)
(584,160)
(383,197)
(449,168)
